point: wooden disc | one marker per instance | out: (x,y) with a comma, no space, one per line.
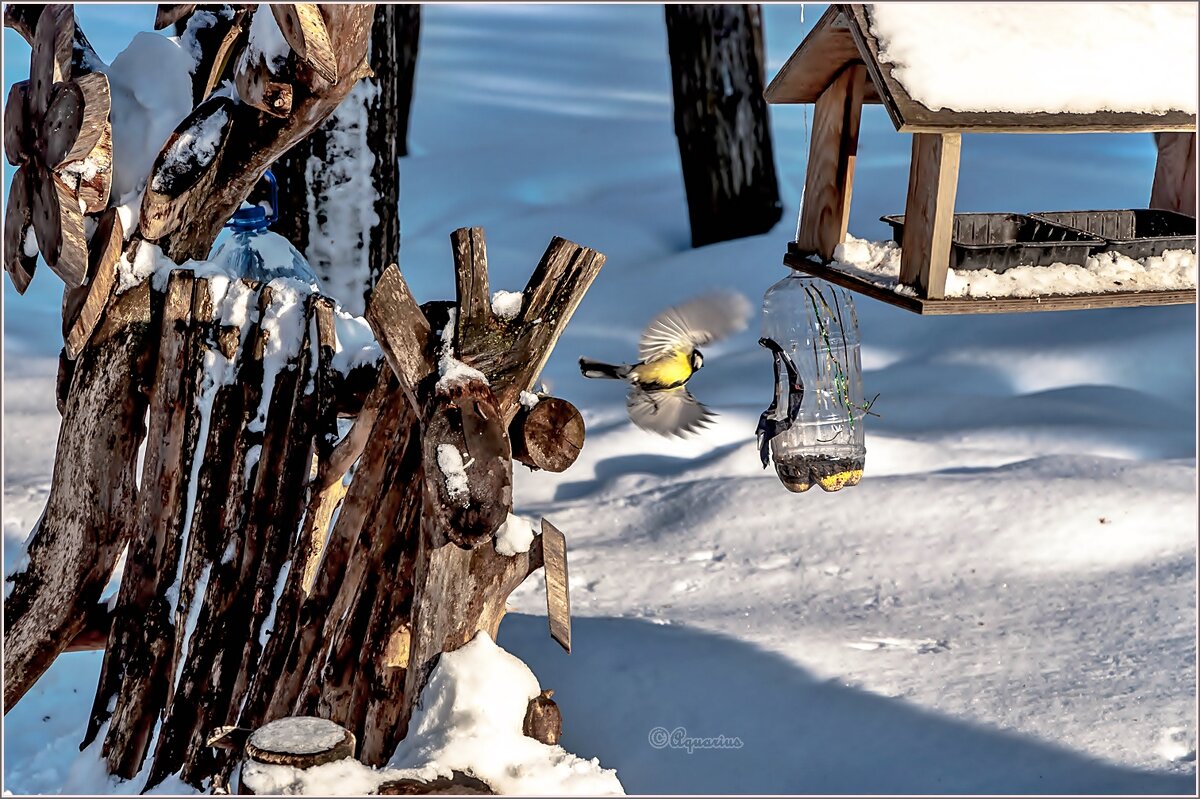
(300,742)
(60,126)
(549,435)
(58,225)
(16,123)
(50,63)
(16,222)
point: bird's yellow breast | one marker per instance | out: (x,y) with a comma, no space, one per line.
(665,372)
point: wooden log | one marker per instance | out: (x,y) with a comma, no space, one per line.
(829,181)
(183,177)
(203,691)
(543,719)
(547,436)
(93,175)
(76,119)
(1174,186)
(88,516)
(721,121)
(83,306)
(929,213)
(554,291)
(142,641)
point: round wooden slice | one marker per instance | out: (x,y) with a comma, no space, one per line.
(300,742)
(61,125)
(16,222)
(16,124)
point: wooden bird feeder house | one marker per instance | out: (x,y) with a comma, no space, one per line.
(846,61)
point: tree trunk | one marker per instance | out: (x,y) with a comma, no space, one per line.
(721,121)
(341,185)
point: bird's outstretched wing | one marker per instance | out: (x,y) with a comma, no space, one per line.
(673,412)
(705,319)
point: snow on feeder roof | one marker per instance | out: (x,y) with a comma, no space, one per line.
(946,69)
(1002,67)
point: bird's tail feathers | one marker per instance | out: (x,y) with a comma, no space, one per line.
(604,371)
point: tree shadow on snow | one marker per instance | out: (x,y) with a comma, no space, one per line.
(799,734)
(645,463)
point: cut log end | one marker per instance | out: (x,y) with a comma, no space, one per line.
(457,784)
(548,436)
(300,742)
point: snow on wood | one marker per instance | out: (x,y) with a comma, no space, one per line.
(453,371)
(507,304)
(527,399)
(450,461)
(470,720)
(514,536)
(192,151)
(266,42)
(298,735)
(879,263)
(1042,57)
(151,88)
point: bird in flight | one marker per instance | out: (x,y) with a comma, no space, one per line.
(669,354)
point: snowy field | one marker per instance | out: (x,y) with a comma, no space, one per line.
(1006,604)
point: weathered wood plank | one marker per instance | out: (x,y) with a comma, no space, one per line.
(1174,186)
(932,186)
(558,593)
(401,329)
(988,305)
(143,635)
(829,181)
(89,514)
(83,306)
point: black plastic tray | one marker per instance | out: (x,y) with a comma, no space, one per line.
(1136,233)
(1002,241)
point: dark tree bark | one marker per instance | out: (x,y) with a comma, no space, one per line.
(317,176)
(721,120)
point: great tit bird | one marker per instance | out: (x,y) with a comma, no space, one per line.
(658,397)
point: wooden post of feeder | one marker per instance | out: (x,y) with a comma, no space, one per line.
(929,212)
(825,214)
(1175,173)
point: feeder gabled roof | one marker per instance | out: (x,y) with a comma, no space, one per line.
(843,36)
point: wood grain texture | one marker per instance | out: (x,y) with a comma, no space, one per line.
(821,56)
(558,591)
(829,181)
(83,306)
(89,513)
(547,436)
(1174,186)
(932,186)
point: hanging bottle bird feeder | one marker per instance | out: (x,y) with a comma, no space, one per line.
(813,430)
(254,251)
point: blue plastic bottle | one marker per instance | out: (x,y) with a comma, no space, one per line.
(254,252)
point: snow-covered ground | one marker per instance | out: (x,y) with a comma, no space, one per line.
(1006,602)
